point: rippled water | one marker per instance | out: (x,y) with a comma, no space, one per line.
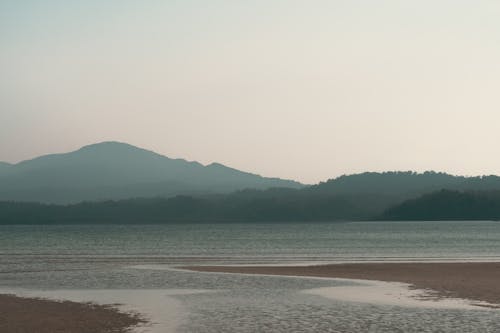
(56,258)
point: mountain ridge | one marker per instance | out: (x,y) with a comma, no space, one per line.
(349,198)
(401,182)
(103,170)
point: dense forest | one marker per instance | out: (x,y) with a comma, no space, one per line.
(238,207)
(367,196)
(448,205)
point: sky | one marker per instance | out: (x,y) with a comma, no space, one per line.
(305,90)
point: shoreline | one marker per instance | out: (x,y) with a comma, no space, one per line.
(28,314)
(475,281)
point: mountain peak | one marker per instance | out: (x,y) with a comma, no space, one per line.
(117,170)
(116,150)
(109,145)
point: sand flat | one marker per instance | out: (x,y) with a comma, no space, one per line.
(159,310)
(28,315)
(477,281)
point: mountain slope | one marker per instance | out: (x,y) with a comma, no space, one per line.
(113,170)
(4,166)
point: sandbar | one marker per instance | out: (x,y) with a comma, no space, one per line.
(476,281)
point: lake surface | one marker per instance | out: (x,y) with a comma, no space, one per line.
(135,265)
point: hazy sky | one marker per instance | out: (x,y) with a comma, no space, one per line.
(307,89)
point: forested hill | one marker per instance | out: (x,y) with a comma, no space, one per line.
(356,197)
(241,207)
(405,183)
(448,205)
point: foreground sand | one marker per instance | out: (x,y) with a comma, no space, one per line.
(475,281)
(28,315)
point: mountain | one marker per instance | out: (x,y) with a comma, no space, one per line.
(392,196)
(113,170)
(373,192)
(214,192)
(448,205)
(404,183)
(4,166)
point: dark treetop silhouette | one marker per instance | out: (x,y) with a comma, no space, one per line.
(366,196)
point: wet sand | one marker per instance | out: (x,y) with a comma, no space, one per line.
(474,281)
(28,315)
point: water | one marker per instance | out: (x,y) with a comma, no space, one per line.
(134,264)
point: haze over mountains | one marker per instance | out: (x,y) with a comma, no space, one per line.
(367,196)
(157,189)
(113,170)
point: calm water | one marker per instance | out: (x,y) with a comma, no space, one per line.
(86,259)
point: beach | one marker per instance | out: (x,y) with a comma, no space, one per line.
(478,281)
(27,315)
(89,263)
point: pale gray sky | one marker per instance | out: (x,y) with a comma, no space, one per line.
(307,90)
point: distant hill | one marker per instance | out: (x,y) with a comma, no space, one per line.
(448,205)
(4,166)
(370,193)
(113,170)
(361,196)
(173,190)
(404,183)
(313,203)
